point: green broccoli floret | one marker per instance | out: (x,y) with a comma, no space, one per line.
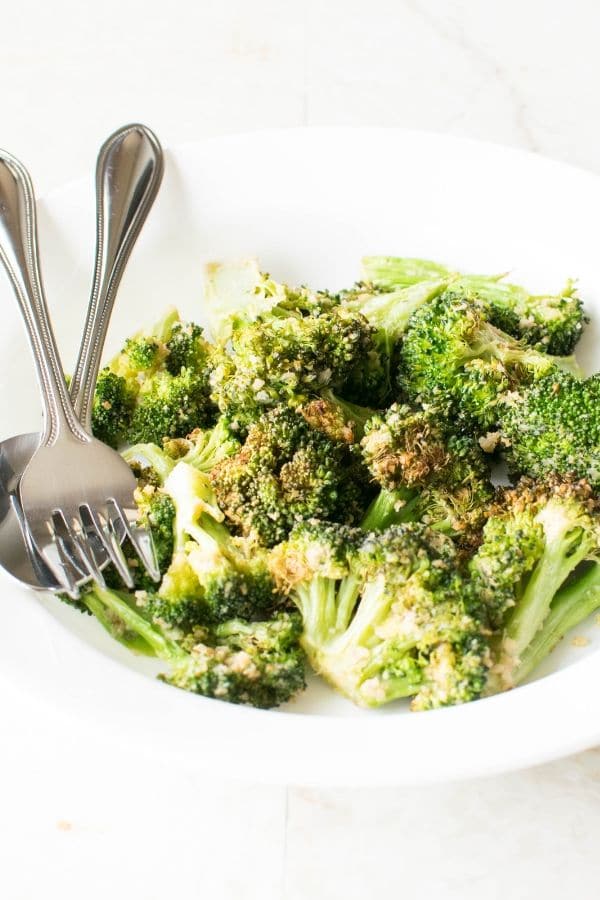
(382,615)
(279,344)
(171,406)
(187,348)
(287,359)
(553,323)
(426,472)
(112,408)
(144,353)
(255,663)
(211,576)
(156,387)
(202,448)
(157,514)
(532,544)
(554,426)
(287,471)
(453,358)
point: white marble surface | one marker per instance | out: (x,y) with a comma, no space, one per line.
(74,819)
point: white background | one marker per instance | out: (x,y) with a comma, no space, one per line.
(81,818)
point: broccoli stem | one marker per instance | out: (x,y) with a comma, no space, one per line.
(116,628)
(390,508)
(162,464)
(565,549)
(572,605)
(114,607)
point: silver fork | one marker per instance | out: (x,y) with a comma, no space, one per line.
(129,172)
(74,488)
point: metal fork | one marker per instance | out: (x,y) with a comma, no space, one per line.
(76,494)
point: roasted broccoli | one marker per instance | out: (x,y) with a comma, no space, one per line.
(211,576)
(453,358)
(383,614)
(554,426)
(286,471)
(533,542)
(156,387)
(426,472)
(280,344)
(256,663)
(553,323)
(112,408)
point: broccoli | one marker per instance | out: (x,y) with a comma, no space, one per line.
(286,471)
(255,663)
(577,600)
(157,386)
(203,449)
(287,359)
(187,348)
(112,408)
(554,426)
(426,472)
(157,514)
(171,406)
(280,344)
(383,616)
(553,323)
(533,542)
(454,359)
(211,577)
(143,354)
(388,312)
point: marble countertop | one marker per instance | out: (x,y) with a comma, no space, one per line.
(76,820)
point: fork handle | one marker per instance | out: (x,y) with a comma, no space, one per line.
(128,175)
(19,255)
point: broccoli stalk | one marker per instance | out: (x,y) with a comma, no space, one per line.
(569,539)
(532,544)
(573,603)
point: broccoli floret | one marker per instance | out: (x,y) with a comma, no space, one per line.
(288,471)
(287,359)
(171,406)
(157,514)
(279,344)
(426,472)
(144,353)
(187,348)
(112,408)
(156,387)
(554,426)
(211,576)
(203,449)
(538,536)
(553,323)
(453,358)
(255,663)
(382,616)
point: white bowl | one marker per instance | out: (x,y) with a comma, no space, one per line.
(309,204)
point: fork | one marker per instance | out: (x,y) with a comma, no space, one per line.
(76,494)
